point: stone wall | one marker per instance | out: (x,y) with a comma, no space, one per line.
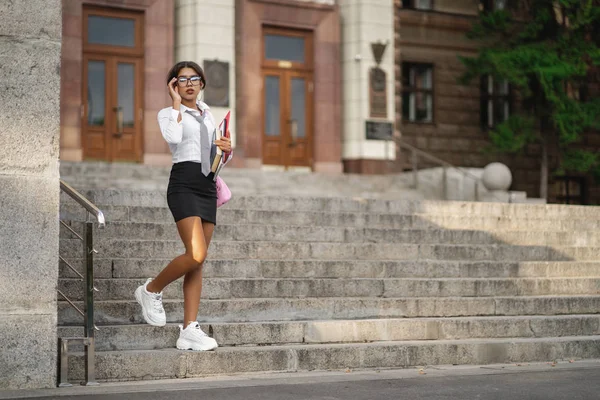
(30,43)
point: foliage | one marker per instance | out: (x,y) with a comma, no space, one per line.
(546,49)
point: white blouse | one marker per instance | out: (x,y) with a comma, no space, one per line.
(184,137)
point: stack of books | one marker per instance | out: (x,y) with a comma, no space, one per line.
(221,158)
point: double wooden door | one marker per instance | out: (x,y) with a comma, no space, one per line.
(287,73)
(112,117)
(112,84)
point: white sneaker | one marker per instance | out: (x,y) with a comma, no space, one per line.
(193,338)
(152,307)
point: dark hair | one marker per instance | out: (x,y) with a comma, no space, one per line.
(173,72)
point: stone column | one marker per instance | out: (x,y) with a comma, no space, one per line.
(30,42)
(364,23)
(215,19)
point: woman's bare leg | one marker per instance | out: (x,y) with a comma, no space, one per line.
(193,237)
(192,283)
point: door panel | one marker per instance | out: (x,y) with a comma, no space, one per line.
(273,118)
(95,95)
(272,105)
(111,125)
(300,119)
(126,129)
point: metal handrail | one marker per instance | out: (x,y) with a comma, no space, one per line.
(88,339)
(416,151)
(434,159)
(85,203)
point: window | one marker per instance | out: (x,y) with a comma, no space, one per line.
(418,4)
(492,5)
(495,102)
(111,31)
(571,190)
(278,47)
(417,92)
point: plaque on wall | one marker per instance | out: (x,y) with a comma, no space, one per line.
(377,93)
(216,92)
(379,130)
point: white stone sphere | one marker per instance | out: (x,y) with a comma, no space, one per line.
(496,176)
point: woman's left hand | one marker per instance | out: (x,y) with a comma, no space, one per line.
(224,144)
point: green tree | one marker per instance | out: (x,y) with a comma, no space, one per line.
(546,50)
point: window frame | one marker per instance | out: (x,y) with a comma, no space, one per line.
(404,89)
(412,5)
(138,17)
(308,63)
(486,97)
(563,196)
(489,6)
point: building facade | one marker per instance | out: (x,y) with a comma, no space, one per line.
(297,91)
(320,85)
(451,121)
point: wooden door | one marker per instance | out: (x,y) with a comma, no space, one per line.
(287,98)
(112,123)
(112,85)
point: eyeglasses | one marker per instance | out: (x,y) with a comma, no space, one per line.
(183,81)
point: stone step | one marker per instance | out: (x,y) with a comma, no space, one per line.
(294,309)
(253,181)
(172,363)
(123,248)
(147,337)
(228,288)
(144,268)
(157,198)
(279,233)
(347,219)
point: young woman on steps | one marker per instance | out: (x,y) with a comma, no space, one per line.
(188,127)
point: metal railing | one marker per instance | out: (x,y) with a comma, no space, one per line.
(415,153)
(89,328)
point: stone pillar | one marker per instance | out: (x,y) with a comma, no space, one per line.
(364,23)
(30,43)
(215,19)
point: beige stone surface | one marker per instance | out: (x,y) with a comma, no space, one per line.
(30,44)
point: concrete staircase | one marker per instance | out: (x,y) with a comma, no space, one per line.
(319,283)
(251,181)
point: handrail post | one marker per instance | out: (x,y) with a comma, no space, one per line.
(64,363)
(90,348)
(415,168)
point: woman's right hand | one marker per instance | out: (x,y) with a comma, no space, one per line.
(174,91)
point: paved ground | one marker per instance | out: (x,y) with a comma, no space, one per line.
(573,381)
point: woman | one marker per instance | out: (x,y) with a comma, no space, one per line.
(188,127)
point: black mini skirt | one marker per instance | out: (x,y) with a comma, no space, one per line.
(191,194)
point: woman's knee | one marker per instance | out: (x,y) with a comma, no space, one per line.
(198,255)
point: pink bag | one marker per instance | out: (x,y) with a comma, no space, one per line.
(223,192)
